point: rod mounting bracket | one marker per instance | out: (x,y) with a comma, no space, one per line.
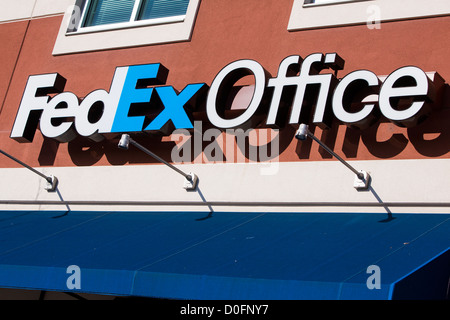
(191,184)
(51,184)
(362,184)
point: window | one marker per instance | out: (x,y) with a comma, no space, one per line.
(153,9)
(310,14)
(91,25)
(129,12)
(100,12)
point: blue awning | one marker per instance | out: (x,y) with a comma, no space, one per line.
(227,256)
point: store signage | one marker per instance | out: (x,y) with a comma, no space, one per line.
(402,98)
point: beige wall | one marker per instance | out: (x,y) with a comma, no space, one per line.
(26,9)
(324,181)
(420,180)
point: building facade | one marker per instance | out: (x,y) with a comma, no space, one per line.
(218,90)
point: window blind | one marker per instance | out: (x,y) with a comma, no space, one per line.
(109,11)
(152,9)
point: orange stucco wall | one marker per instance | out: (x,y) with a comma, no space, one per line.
(226,31)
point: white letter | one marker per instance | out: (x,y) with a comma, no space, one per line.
(282,80)
(417,86)
(228,309)
(355,118)
(245,67)
(304,79)
(110,102)
(62,132)
(33,102)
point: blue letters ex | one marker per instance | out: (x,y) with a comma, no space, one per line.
(172,101)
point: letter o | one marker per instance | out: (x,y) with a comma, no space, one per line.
(246,67)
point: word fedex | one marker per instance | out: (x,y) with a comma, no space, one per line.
(129,86)
(139,100)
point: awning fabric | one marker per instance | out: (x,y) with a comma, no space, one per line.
(227,256)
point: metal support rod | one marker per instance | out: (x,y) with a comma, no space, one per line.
(301,134)
(126,140)
(49,179)
(358,174)
(137,145)
(191,182)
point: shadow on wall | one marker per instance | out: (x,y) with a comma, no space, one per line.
(84,152)
(430,138)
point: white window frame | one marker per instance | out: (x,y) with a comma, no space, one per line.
(75,39)
(353,12)
(133,22)
(326,2)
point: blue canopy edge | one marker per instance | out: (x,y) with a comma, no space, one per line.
(228,256)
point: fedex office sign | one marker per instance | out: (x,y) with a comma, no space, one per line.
(311,94)
(63,116)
